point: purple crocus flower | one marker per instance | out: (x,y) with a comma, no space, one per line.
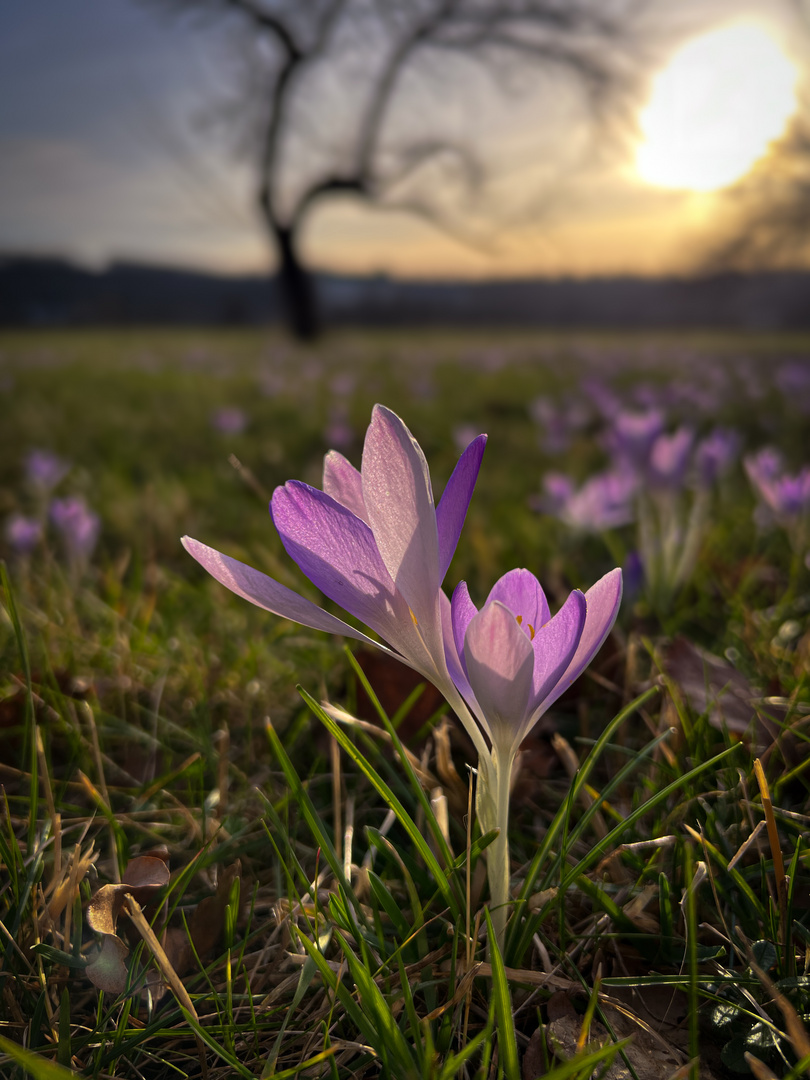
(374,542)
(715,454)
(633,575)
(338,429)
(669,457)
(23,533)
(44,470)
(511,660)
(77,524)
(786,495)
(632,435)
(764,466)
(463,435)
(602,396)
(605,501)
(229,420)
(557,490)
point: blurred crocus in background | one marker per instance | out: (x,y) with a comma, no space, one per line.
(44,470)
(229,420)
(605,501)
(784,498)
(78,527)
(787,495)
(669,458)
(661,480)
(715,454)
(631,435)
(339,431)
(23,533)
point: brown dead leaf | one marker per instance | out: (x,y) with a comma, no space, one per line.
(107,969)
(534,1059)
(205,926)
(709,684)
(104,908)
(145,874)
(649,1055)
(142,877)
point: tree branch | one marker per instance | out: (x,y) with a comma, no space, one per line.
(265,21)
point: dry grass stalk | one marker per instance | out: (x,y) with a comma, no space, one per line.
(776,850)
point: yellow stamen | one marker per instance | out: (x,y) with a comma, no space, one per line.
(531,628)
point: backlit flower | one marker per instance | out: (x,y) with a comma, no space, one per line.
(512,659)
(373,541)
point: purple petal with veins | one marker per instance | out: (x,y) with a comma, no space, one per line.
(603,600)
(399,504)
(500,664)
(554,647)
(336,551)
(462,612)
(266,593)
(344,483)
(522,593)
(455,500)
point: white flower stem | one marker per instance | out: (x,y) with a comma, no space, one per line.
(498,862)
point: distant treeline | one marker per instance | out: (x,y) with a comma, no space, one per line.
(54,292)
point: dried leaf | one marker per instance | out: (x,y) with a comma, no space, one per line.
(107,970)
(145,874)
(535,1057)
(208,921)
(710,685)
(649,1055)
(142,877)
(205,926)
(104,908)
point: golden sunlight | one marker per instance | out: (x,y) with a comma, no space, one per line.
(715,108)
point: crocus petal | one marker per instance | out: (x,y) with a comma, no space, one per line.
(343,482)
(554,647)
(462,612)
(454,658)
(603,600)
(399,503)
(500,663)
(521,592)
(266,593)
(336,551)
(452,508)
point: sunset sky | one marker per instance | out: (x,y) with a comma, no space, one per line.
(108,150)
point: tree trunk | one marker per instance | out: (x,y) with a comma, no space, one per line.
(299,302)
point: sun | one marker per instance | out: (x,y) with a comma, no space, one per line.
(715,108)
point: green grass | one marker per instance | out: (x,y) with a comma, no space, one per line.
(326,909)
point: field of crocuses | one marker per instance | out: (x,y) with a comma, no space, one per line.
(477,757)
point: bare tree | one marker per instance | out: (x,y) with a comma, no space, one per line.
(770,209)
(391,101)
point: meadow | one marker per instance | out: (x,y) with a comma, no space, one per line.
(206,871)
